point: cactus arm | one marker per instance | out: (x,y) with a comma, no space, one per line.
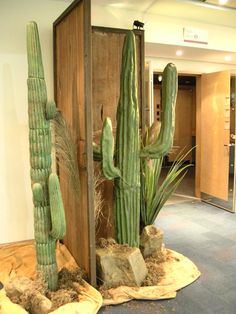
(37,193)
(58,229)
(165,139)
(97,155)
(51,110)
(107,145)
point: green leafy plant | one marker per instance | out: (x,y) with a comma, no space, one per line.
(156,193)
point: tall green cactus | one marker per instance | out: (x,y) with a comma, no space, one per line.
(49,217)
(128,151)
(127,188)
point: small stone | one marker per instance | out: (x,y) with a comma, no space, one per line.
(22,289)
(17,286)
(40,304)
(151,241)
(120,265)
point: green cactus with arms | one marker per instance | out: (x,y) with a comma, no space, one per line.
(49,217)
(128,151)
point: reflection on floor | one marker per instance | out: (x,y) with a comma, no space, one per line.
(185,191)
(207,235)
(226,204)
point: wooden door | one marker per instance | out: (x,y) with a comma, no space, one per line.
(72,66)
(215,134)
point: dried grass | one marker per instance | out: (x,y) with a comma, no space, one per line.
(66,151)
(98,199)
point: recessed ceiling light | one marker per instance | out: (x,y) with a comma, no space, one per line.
(222,2)
(228,58)
(179,53)
(117,5)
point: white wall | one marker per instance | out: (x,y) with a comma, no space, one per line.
(188,66)
(16,209)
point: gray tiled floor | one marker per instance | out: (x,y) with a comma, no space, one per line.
(207,235)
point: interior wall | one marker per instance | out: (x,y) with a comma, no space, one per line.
(16,221)
(187,66)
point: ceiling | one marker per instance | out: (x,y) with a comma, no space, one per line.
(230,4)
(204,11)
(197,10)
(207,11)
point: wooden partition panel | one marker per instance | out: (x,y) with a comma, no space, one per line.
(72,56)
(107,46)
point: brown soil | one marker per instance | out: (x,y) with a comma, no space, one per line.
(105,292)
(155,270)
(67,290)
(110,243)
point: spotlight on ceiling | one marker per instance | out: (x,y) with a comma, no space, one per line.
(222,2)
(179,53)
(228,58)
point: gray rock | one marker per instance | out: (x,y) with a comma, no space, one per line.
(24,288)
(120,265)
(151,241)
(40,304)
(17,286)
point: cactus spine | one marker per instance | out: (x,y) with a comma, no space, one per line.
(127,151)
(49,219)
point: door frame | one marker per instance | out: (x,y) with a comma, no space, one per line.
(198,135)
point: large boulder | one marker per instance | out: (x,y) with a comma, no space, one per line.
(120,265)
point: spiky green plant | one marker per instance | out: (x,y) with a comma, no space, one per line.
(49,217)
(155,194)
(126,169)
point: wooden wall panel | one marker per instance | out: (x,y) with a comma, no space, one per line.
(198,138)
(184,124)
(72,51)
(107,45)
(157,103)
